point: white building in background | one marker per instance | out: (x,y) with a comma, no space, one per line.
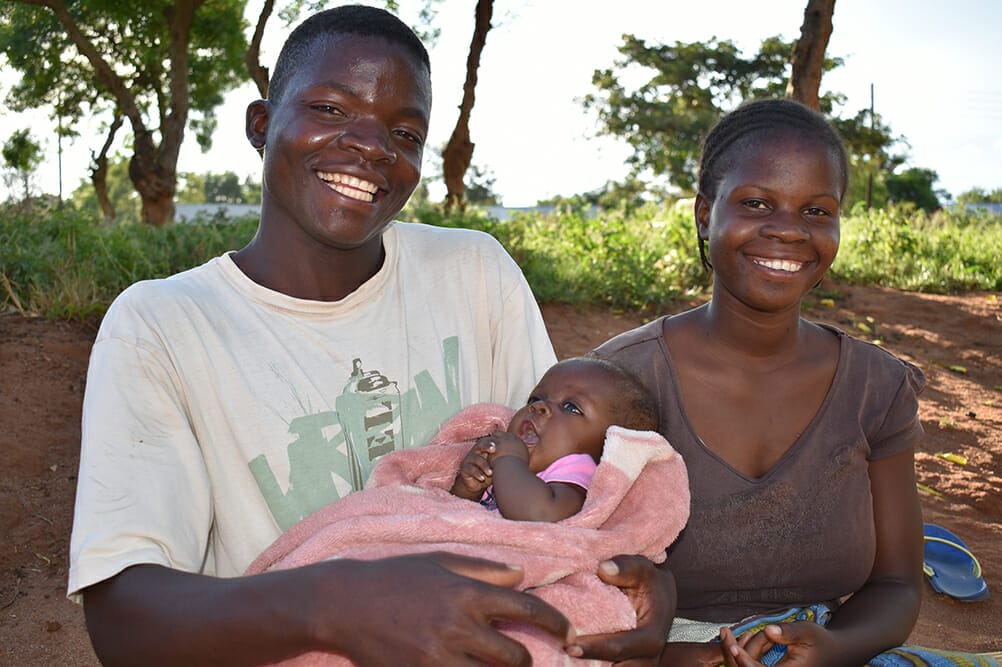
(187,213)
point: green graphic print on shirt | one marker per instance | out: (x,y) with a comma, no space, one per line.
(332,451)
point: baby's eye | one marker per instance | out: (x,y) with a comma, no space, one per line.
(571,407)
(532,399)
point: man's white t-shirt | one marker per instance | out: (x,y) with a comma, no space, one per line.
(218,412)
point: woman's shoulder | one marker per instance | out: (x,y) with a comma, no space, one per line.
(873,361)
(639,337)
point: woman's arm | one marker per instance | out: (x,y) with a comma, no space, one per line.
(882,614)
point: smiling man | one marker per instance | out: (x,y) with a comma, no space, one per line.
(226,403)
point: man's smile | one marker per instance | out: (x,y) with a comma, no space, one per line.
(349,186)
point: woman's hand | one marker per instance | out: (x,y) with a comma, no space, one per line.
(806,643)
(652,591)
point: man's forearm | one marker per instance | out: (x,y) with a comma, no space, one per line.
(152,615)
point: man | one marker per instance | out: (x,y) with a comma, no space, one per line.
(228,402)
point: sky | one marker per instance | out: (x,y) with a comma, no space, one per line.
(933,68)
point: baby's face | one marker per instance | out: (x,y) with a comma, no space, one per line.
(568,412)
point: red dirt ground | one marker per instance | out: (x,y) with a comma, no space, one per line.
(956,340)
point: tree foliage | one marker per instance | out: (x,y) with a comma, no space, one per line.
(224,188)
(22,155)
(162,64)
(688,87)
(479,185)
(980,195)
(914,185)
(870,142)
(684,88)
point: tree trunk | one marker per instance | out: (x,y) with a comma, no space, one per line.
(99,173)
(458,153)
(258,72)
(154,183)
(809,52)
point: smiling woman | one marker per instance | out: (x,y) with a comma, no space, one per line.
(793,432)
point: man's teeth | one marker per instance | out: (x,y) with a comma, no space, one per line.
(349,186)
(780,264)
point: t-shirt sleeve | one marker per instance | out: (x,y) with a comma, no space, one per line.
(578,469)
(143,492)
(901,428)
(522,348)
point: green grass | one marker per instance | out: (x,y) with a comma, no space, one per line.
(63,264)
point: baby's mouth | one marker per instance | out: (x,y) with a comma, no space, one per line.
(528,434)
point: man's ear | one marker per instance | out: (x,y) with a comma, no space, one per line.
(257,124)
(702,211)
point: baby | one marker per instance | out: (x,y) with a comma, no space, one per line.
(581,411)
(541,467)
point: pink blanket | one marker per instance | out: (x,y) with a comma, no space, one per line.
(637,504)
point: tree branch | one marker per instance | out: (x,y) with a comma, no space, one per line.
(104,71)
(258,72)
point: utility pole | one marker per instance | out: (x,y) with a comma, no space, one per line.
(59,145)
(869,166)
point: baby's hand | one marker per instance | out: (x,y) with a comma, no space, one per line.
(475,472)
(507,444)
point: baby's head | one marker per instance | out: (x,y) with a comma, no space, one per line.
(574,404)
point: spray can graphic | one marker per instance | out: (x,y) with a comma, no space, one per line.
(370,416)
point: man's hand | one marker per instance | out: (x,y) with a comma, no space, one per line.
(436,609)
(652,591)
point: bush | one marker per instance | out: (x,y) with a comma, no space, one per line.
(62,264)
(644,259)
(948,251)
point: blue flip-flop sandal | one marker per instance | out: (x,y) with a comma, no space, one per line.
(950,566)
